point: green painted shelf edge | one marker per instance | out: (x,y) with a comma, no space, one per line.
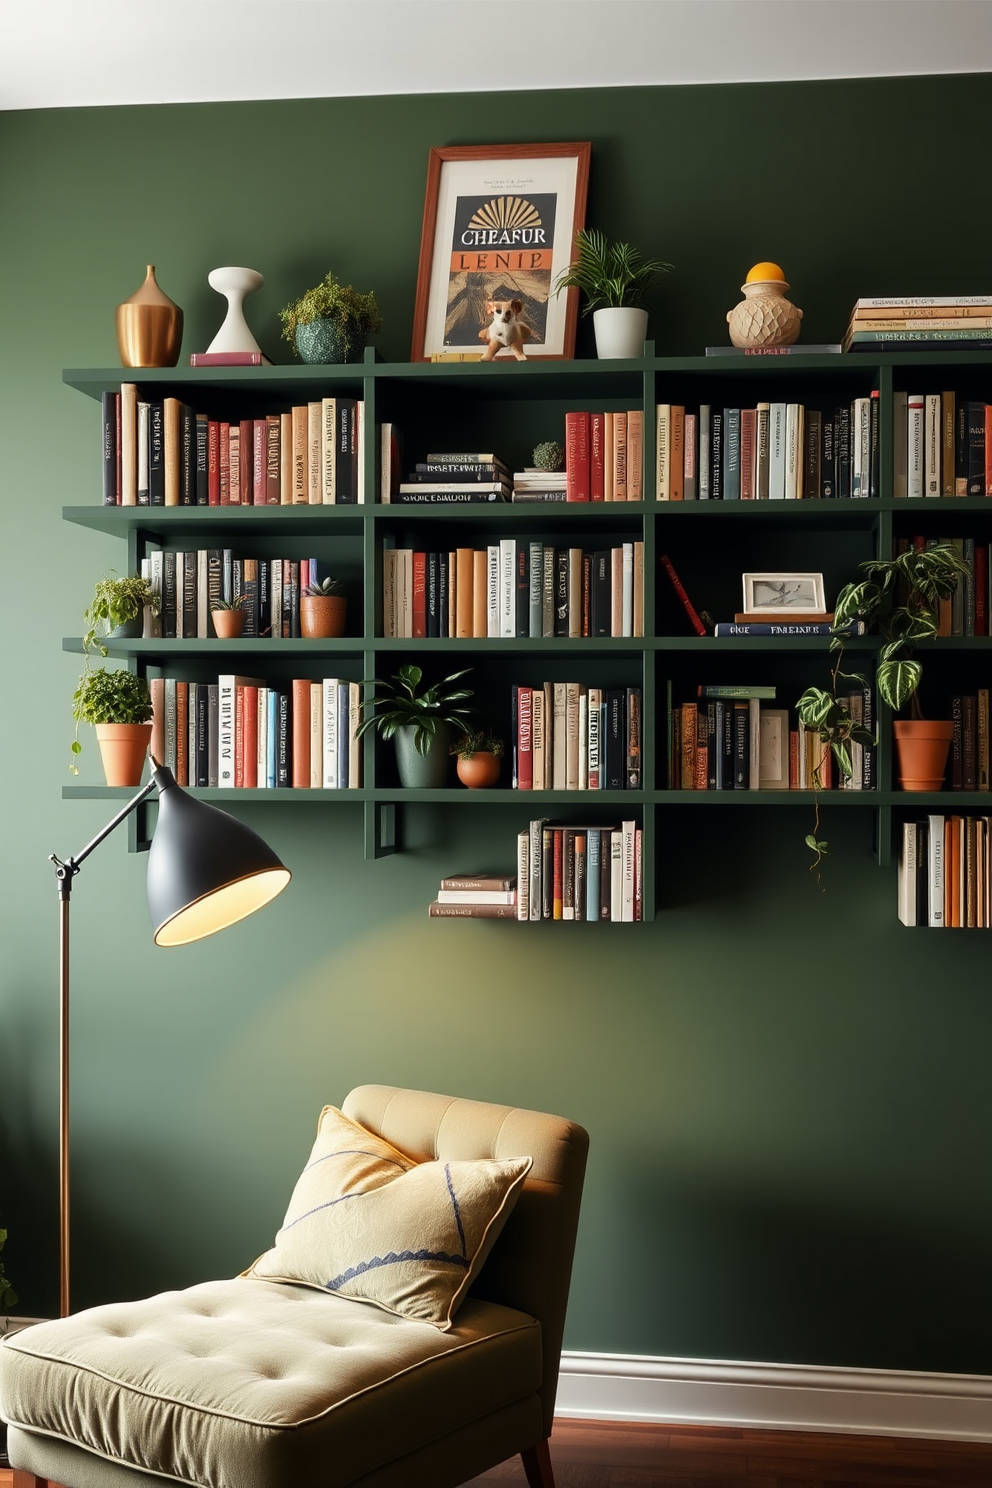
(979,802)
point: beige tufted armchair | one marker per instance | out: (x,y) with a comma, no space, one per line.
(236,1384)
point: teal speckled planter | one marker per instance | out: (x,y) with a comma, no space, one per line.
(323,342)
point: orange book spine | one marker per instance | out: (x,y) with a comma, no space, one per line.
(258,458)
(635,454)
(182,733)
(480,595)
(171,411)
(301,733)
(677,428)
(464,608)
(156,686)
(129,444)
(609,468)
(239,737)
(316,735)
(249,736)
(619,457)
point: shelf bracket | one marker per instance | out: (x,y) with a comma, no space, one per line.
(380,829)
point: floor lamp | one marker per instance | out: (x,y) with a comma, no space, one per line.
(205,871)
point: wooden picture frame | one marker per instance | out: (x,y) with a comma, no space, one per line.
(498,217)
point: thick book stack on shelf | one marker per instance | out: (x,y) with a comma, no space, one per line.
(940,446)
(513,589)
(239,732)
(453,479)
(945,873)
(772,452)
(575,872)
(164,452)
(724,739)
(190,583)
(568,736)
(531,484)
(604,456)
(925,323)
(475,896)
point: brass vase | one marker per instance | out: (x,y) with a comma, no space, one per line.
(149,327)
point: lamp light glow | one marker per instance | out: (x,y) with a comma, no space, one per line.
(227,905)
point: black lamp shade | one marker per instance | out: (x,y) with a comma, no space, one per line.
(205,869)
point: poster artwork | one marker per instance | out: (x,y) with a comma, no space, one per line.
(501,249)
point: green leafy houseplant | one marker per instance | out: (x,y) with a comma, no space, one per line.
(398,703)
(109,697)
(901,596)
(355,316)
(609,275)
(116,601)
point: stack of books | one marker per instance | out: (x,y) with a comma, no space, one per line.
(921,323)
(453,479)
(531,484)
(568,871)
(475,896)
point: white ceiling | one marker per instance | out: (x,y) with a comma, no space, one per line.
(62,53)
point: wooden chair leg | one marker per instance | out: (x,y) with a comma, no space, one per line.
(537,1466)
(24,1479)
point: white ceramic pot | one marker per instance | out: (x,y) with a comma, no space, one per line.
(620,332)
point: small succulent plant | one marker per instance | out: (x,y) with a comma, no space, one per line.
(549,456)
(477,741)
(237,602)
(323,589)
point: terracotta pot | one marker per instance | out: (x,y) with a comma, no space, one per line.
(322,616)
(228,623)
(479,771)
(149,327)
(921,753)
(123,747)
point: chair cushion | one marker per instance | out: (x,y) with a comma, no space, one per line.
(234,1384)
(372,1224)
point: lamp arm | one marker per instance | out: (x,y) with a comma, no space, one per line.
(66,871)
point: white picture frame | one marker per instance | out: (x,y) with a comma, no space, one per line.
(773,749)
(783,593)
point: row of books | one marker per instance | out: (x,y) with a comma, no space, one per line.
(774,451)
(724,739)
(940,445)
(945,873)
(947,322)
(190,583)
(567,736)
(240,732)
(513,588)
(966,612)
(570,871)
(163,452)
(604,456)
(969,755)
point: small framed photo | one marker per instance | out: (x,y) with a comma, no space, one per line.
(773,749)
(790,593)
(499,226)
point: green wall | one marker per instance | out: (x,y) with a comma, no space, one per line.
(787,1094)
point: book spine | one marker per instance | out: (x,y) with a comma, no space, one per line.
(635,454)
(577,456)
(110,406)
(690,486)
(705,451)
(716,454)
(731,454)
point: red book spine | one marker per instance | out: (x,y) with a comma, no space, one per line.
(301,733)
(419,595)
(224,465)
(988,450)
(687,604)
(239,737)
(213,462)
(247,450)
(577,471)
(249,735)
(556,874)
(525,755)
(981,589)
(597,437)
(258,462)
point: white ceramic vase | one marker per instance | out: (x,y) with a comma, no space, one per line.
(620,332)
(234,284)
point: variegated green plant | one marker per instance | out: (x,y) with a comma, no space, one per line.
(901,596)
(399,703)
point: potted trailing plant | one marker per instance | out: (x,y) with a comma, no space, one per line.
(331,322)
(419,720)
(120,706)
(477,758)
(901,596)
(228,616)
(323,610)
(117,609)
(614,278)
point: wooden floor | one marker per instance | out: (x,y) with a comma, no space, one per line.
(595,1454)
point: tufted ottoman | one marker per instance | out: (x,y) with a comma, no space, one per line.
(248,1384)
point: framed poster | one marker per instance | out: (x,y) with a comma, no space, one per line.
(499,224)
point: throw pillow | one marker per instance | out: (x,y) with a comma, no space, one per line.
(367,1222)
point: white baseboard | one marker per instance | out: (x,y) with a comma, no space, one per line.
(798,1397)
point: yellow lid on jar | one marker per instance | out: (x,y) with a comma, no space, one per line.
(764,271)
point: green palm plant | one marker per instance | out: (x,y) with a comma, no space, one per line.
(396,703)
(610,275)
